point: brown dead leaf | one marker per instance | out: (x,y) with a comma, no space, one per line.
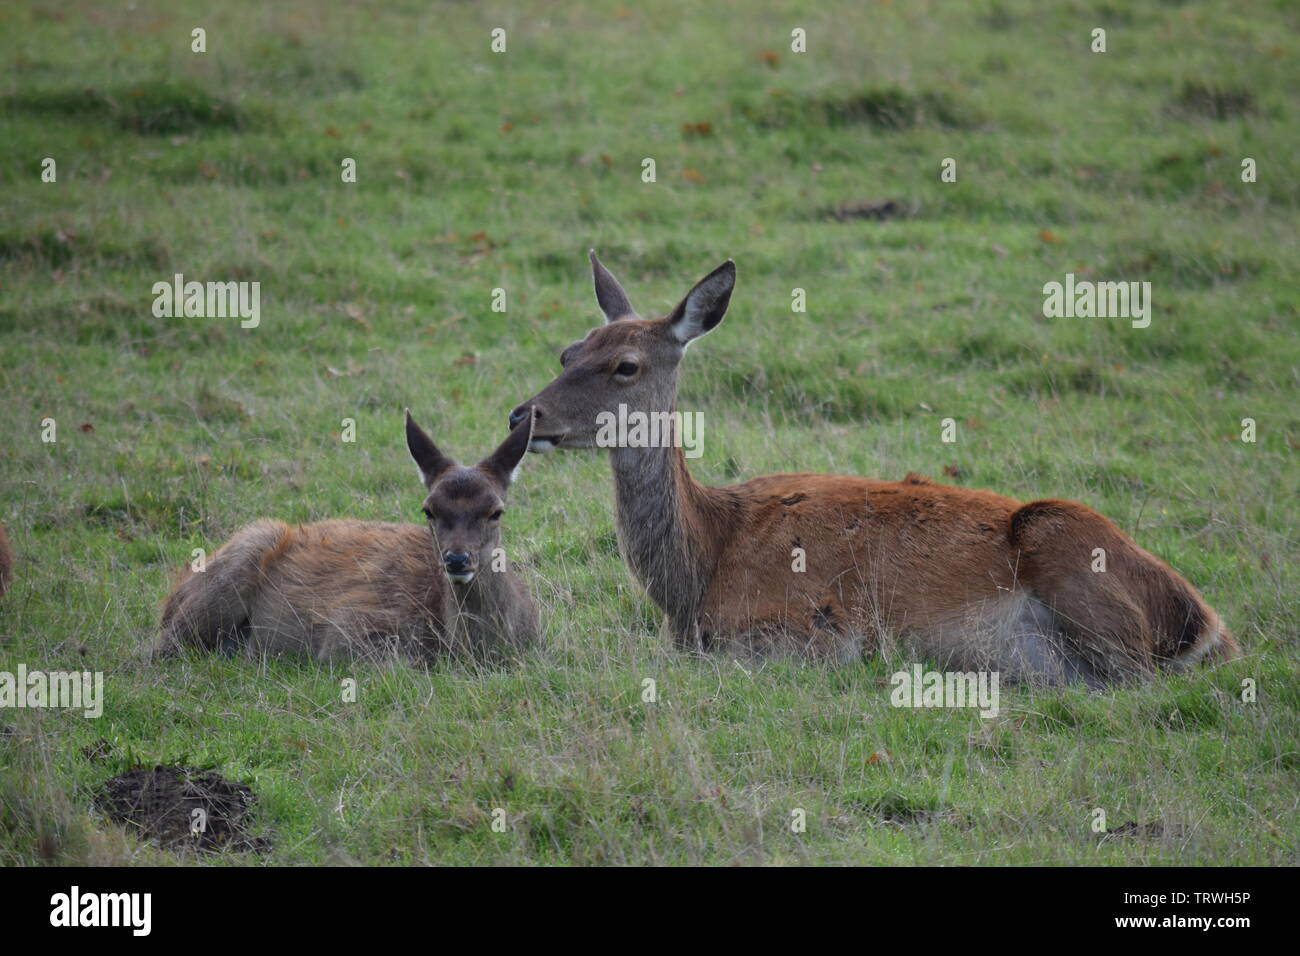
(353,312)
(1047,235)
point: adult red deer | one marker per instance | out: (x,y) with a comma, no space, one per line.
(969,577)
(346,589)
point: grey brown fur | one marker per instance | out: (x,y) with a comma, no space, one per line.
(339,590)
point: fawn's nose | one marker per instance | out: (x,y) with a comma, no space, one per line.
(457,561)
(519,414)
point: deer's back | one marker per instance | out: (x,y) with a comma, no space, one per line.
(826,552)
(331,588)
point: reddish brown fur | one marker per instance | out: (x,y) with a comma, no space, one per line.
(944,568)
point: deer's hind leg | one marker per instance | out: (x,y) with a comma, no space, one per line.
(209,609)
(1124,610)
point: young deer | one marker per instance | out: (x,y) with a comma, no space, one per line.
(344,589)
(969,577)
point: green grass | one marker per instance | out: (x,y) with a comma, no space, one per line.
(478,171)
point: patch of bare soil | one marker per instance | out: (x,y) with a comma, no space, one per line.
(879,209)
(160,804)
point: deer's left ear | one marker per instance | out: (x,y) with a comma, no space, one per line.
(428,459)
(704,306)
(504,462)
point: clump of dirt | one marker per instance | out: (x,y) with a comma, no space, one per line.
(868,209)
(160,803)
(1155,830)
(884,108)
(1216,102)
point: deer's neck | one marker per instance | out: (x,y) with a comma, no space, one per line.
(484,608)
(668,528)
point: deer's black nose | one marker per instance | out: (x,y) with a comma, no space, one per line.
(457,561)
(519,414)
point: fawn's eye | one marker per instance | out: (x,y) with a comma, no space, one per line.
(496,515)
(626,369)
(427,513)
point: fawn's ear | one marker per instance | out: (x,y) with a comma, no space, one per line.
(428,459)
(504,462)
(704,306)
(611,298)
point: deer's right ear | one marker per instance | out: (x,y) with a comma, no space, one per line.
(428,459)
(611,298)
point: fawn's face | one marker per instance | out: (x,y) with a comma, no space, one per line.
(465,504)
(464,509)
(627,361)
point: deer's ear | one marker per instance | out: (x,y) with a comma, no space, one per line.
(428,459)
(611,298)
(704,306)
(504,462)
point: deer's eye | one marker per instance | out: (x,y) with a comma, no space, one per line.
(496,515)
(626,369)
(427,513)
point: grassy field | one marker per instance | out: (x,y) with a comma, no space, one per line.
(478,170)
